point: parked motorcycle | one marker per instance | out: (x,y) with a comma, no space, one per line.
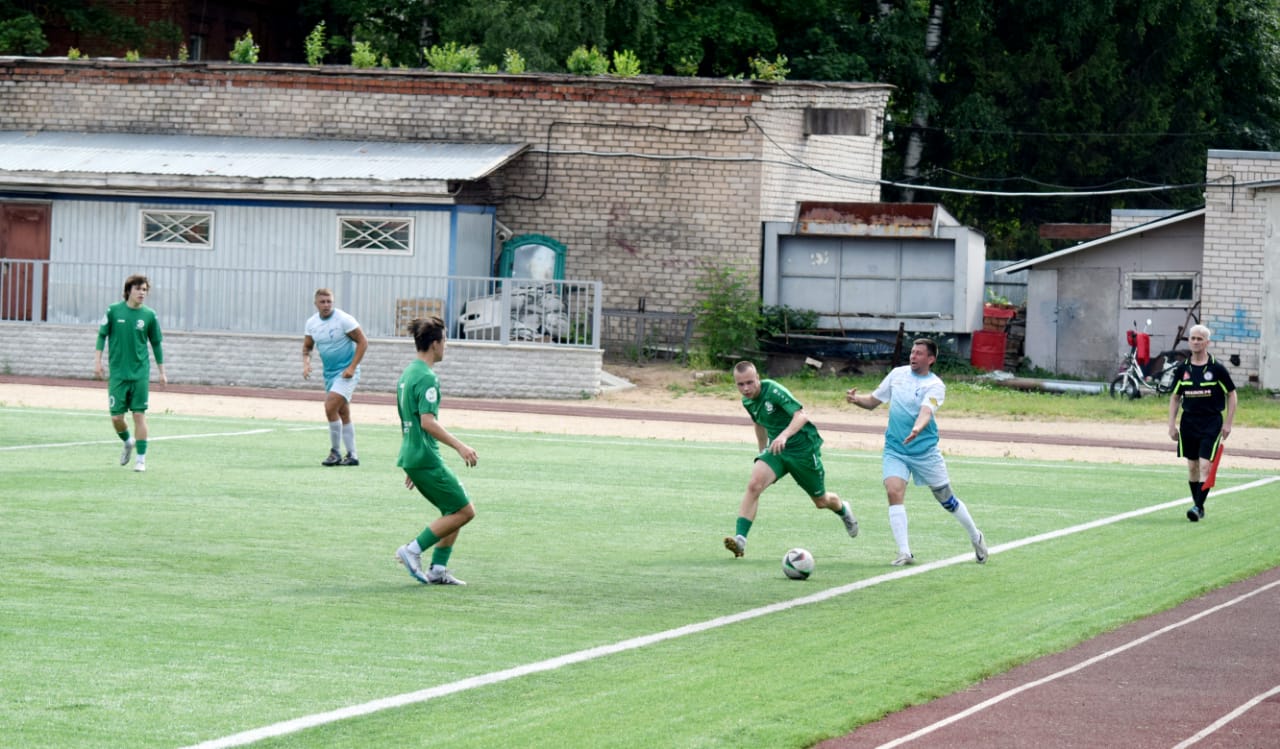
(1139,372)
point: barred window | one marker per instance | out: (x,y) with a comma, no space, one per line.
(1160,289)
(188,229)
(393,236)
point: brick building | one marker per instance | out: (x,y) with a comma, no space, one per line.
(648,181)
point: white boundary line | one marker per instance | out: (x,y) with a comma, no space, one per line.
(475,682)
(153,439)
(1224,720)
(926,730)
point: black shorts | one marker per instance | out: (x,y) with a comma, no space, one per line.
(1198,438)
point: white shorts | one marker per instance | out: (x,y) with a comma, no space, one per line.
(346,387)
(927,470)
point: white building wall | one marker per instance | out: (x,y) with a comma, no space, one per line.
(1234,297)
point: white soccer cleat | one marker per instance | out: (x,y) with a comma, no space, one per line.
(903,560)
(140,466)
(438,575)
(128,451)
(850,522)
(412,562)
(980,549)
(736,544)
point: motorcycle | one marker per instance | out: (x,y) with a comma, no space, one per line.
(1138,371)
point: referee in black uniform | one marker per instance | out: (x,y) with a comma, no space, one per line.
(1204,388)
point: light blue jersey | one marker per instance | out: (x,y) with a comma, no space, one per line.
(907,393)
(332,342)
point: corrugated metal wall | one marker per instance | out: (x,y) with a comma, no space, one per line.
(274,240)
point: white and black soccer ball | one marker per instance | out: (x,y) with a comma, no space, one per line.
(797,564)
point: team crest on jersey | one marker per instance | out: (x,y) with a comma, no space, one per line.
(768,407)
(140,324)
(1208,376)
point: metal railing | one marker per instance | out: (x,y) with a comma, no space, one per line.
(189,298)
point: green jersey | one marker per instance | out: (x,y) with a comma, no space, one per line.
(773,409)
(129,331)
(418,393)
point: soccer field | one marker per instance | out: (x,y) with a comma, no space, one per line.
(237,590)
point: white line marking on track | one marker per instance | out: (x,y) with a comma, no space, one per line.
(926,730)
(1224,720)
(483,680)
(153,439)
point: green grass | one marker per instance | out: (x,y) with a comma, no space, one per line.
(969,395)
(237,584)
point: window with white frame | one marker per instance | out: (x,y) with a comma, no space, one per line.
(1160,289)
(185,229)
(378,235)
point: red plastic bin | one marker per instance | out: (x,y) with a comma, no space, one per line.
(987,351)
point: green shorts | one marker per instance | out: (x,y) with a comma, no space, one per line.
(805,466)
(440,487)
(127,395)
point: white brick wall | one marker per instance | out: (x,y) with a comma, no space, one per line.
(471,370)
(1235,231)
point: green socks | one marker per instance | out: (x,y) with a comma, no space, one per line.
(427,539)
(744,527)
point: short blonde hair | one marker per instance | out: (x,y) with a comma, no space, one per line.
(1197,328)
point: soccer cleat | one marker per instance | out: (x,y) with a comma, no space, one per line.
(333,459)
(128,452)
(903,560)
(736,544)
(140,466)
(412,562)
(850,522)
(980,548)
(440,576)
(349,461)
(1195,514)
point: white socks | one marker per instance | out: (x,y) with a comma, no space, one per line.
(962,516)
(898,524)
(349,437)
(335,435)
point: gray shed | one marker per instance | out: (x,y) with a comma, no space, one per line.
(1081,300)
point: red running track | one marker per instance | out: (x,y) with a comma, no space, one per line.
(1205,674)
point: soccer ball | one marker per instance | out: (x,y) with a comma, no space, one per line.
(797,564)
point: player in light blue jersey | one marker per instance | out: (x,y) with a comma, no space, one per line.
(914,393)
(341,343)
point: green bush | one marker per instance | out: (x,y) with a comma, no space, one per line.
(513,62)
(763,70)
(244,49)
(583,61)
(452,58)
(314,45)
(22,36)
(727,317)
(132,55)
(73,54)
(780,319)
(626,64)
(184,54)
(363,56)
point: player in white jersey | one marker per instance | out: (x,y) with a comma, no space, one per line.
(341,343)
(914,393)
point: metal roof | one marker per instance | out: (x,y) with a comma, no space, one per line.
(293,167)
(1131,231)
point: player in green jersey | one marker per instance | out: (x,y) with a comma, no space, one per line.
(418,402)
(788,443)
(126,330)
